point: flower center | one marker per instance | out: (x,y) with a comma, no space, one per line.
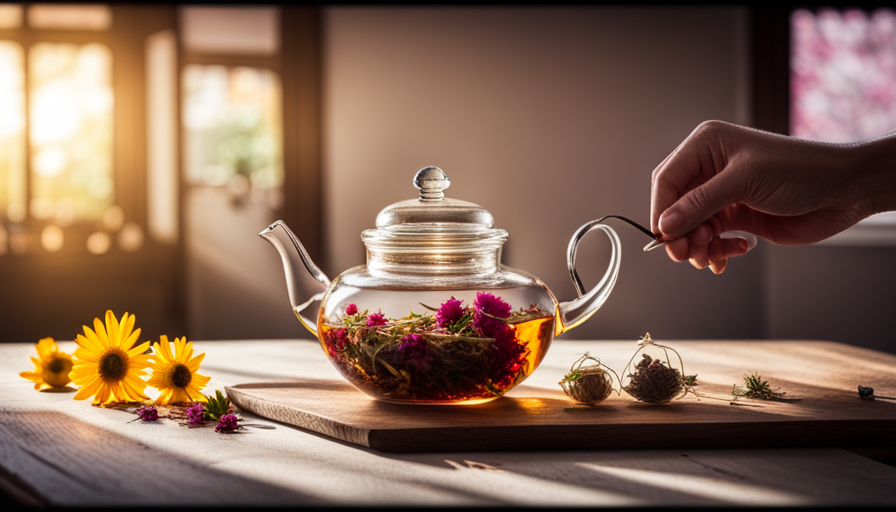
(55,365)
(180,376)
(113,366)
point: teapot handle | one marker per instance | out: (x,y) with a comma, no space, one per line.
(578,310)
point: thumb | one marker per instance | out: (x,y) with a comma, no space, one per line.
(701,203)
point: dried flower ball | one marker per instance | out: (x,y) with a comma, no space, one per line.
(588,384)
(653,382)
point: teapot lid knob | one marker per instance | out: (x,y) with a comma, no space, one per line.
(432,182)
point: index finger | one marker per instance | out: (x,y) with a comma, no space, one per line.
(673,178)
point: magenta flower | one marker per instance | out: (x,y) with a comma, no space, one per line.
(509,354)
(488,306)
(450,312)
(413,351)
(375,319)
(351,309)
(228,424)
(195,412)
(336,341)
(148,413)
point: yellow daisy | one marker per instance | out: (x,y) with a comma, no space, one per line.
(51,368)
(175,374)
(107,364)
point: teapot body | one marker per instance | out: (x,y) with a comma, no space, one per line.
(436,339)
(434,317)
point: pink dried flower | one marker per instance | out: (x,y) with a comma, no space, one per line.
(228,424)
(351,309)
(450,312)
(488,306)
(195,412)
(509,354)
(414,352)
(336,341)
(375,319)
(148,413)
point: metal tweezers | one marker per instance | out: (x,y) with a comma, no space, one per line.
(659,241)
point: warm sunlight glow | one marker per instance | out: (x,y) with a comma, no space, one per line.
(98,243)
(113,218)
(52,238)
(71,105)
(71,17)
(130,238)
(703,486)
(10,16)
(12,132)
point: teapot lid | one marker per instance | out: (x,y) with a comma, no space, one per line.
(433,208)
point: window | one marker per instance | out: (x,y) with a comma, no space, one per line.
(843,89)
(233,127)
(70,131)
(76,208)
(57,120)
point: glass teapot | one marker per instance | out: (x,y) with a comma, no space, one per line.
(434,317)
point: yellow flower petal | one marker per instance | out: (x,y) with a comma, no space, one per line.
(178,348)
(46,347)
(138,385)
(89,389)
(138,350)
(193,364)
(82,377)
(195,393)
(89,342)
(131,339)
(164,397)
(86,355)
(112,329)
(127,325)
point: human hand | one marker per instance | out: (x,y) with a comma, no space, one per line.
(789,191)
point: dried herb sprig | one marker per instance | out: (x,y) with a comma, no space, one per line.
(216,406)
(756,388)
(588,384)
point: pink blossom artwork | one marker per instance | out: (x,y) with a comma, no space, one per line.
(842,74)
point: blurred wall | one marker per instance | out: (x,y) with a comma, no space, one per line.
(840,293)
(549,118)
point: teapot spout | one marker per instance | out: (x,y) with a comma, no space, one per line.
(294,257)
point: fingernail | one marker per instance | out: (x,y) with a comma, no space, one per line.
(670,222)
(743,245)
(695,264)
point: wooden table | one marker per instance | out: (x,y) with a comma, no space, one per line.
(54,450)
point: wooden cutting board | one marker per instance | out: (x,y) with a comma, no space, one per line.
(823,376)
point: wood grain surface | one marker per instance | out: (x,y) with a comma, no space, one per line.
(52,459)
(821,377)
